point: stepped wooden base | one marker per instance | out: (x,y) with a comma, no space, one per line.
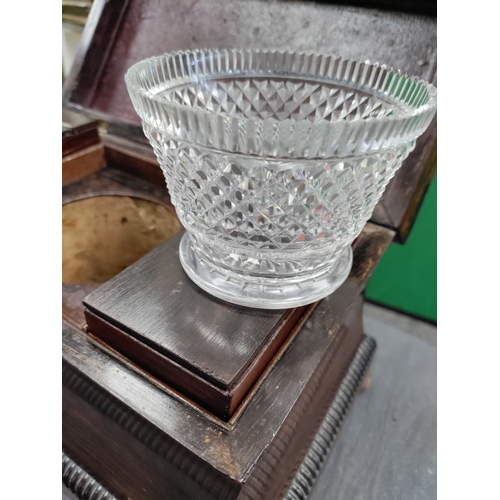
(141,438)
(210,351)
(81,483)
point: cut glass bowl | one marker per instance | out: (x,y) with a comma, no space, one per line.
(274,162)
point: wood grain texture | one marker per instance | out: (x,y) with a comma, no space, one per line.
(138,161)
(386,448)
(154,301)
(221,402)
(73,312)
(209,350)
(82,163)
(265,475)
(235,449)
(73,143)
(126,454)
(130,457)
(279,462)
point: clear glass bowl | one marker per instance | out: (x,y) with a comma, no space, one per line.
(274,162)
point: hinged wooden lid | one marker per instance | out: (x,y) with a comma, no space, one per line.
(118,34)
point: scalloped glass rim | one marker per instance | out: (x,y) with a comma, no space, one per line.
(415,98)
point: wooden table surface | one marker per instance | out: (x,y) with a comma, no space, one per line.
(386,448)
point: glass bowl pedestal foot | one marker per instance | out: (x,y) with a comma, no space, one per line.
(260,291)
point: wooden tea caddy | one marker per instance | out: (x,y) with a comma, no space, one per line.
(168,392)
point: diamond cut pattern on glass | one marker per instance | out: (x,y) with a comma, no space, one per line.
(274,205)
(280,99)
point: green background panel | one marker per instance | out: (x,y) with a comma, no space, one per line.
(406,277)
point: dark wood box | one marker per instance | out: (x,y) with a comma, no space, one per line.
(164,416)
